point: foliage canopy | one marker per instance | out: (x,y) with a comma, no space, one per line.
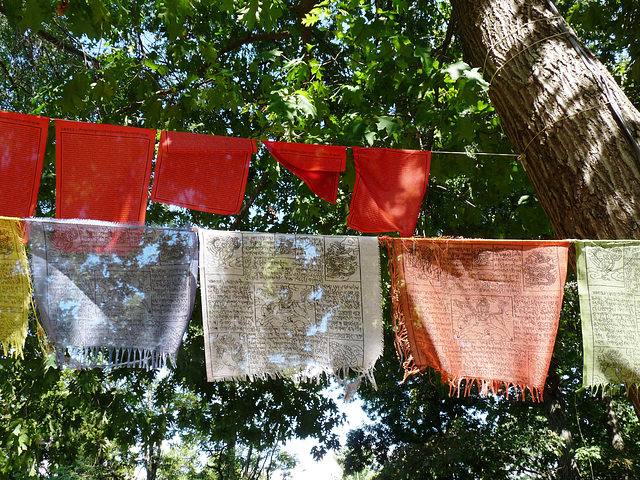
(348,72)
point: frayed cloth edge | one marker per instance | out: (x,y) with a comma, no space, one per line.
(111,358)
(342,375)
(494,387)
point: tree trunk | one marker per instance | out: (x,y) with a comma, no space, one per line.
(611,422)
(615,435)
(555,410)
(576,130)
(634,396)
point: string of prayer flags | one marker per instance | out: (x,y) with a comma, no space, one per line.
(202,172)
(290,305)
(608,285)
(23,139)
(128,307)
(319,166)
(103,171)
(479,311)
(390,185)
(15,288)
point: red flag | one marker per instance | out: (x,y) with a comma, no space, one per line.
(319,166)
(23,139)
(202,172)
(103,171)
(390,186)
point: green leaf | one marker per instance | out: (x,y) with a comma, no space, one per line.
(389,124)
(457,70)
(310,19)
(161,69)
(304,104)
(425,58)
(474,78)
(29,14)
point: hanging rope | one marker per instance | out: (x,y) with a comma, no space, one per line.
(616,110)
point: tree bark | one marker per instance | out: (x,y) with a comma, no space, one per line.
(611,422)
(576,130)
(634,396)
(555,410)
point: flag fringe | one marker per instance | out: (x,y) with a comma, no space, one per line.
(111,357)
(403,346)
(494,387)
(348,377)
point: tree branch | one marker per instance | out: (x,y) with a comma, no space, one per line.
(67,47)
(15,85)
(442,49)
(62,45)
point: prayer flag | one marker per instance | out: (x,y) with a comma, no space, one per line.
(294,305)
(202,172)
(390,185)
(609,292)
(483,311)
(23,139)
(103,171)
(319,166)
(15,288)
(128,307)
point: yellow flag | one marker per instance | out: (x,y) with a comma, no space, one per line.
(15,288)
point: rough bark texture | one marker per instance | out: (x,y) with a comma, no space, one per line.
(558,108)
(611,422)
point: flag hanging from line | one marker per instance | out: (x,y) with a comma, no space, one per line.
(289,305)
(609,293)
(127,307)
(15,288)
(319,166)
(390,185)
(479,311)
(103,171)
(202,172)
(23,139)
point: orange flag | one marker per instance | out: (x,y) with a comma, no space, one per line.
(389,189)
(103,171)
(23,139)
(202,172)
(319,166)
(479,311)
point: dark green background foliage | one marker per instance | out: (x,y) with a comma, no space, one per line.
(355,73)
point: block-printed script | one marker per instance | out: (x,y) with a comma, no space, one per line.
(116,287)
(481,311)
(609,289)
(277,304)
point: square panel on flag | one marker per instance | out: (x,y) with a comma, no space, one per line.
(390,185)
(23,139)
(202,172)
(103,171)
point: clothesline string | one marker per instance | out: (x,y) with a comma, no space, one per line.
(471,154)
